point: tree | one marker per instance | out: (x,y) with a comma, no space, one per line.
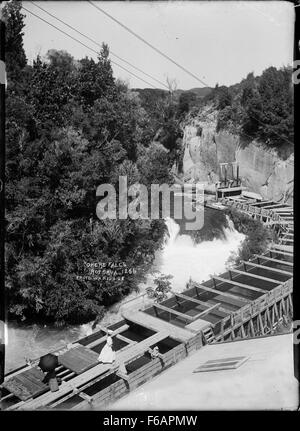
(259,108)
(153,165)
(224,97)
(258,237)
(163,287)
(172,85)
(14,50)
(276,106)
(73,128)
(95,79)
(186,99)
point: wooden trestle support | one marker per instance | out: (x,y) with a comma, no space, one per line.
(249,307)
(265,320)
(263,323)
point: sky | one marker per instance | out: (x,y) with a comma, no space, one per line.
(217,41)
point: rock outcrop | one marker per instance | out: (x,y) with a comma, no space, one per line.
(261,170)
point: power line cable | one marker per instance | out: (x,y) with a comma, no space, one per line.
(163,54)
(86,46)
(148,43)
(98,44)
(120,66)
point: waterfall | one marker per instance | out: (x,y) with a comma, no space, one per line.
(183,259)
(173,230)
(180,257)
(230,224)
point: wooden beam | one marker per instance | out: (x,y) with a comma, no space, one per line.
(127,340)
(283,306)
(259,277)
(227,310)
(261,324)
(261,203)
(290,303)
(278,222)
(207,304)
(282,210)
(282,262)
(283,213)
(273,250)
(86,397)
(71,374)
(268,317)
(225,294)
(285,248)
(274,206)
(122,375)
(244,286)
(188,298)
(268,268)
(207,311)
(6,397)
(252,331)
(172,311)
(100,340)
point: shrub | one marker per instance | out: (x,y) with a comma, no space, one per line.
(258,236)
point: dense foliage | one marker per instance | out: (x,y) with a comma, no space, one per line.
(259,108)
(163,287)
(71,127)
(258,236)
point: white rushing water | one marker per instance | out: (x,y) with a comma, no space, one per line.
(180,257)
(184,259)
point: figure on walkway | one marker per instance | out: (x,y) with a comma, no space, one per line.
(48,363)
(154,352)
(107,354)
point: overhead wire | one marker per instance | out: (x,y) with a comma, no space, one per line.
(88,47)
(98,44)
(147,43)
(163,54)
(118,65)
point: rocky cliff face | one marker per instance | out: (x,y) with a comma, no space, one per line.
(261,170)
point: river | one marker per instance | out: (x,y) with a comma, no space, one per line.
(180,257)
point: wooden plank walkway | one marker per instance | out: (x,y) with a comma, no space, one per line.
(260,204)
(191,299)
(27,384)
(124,356)
(243,285)
(156,324)
(282,239)
(114,333)
(175,312)
(272,250)
(258,277)
(282,247)
(84,362)
(220,293)
(267,268)
(274,206)
(281,262)
(79,359)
